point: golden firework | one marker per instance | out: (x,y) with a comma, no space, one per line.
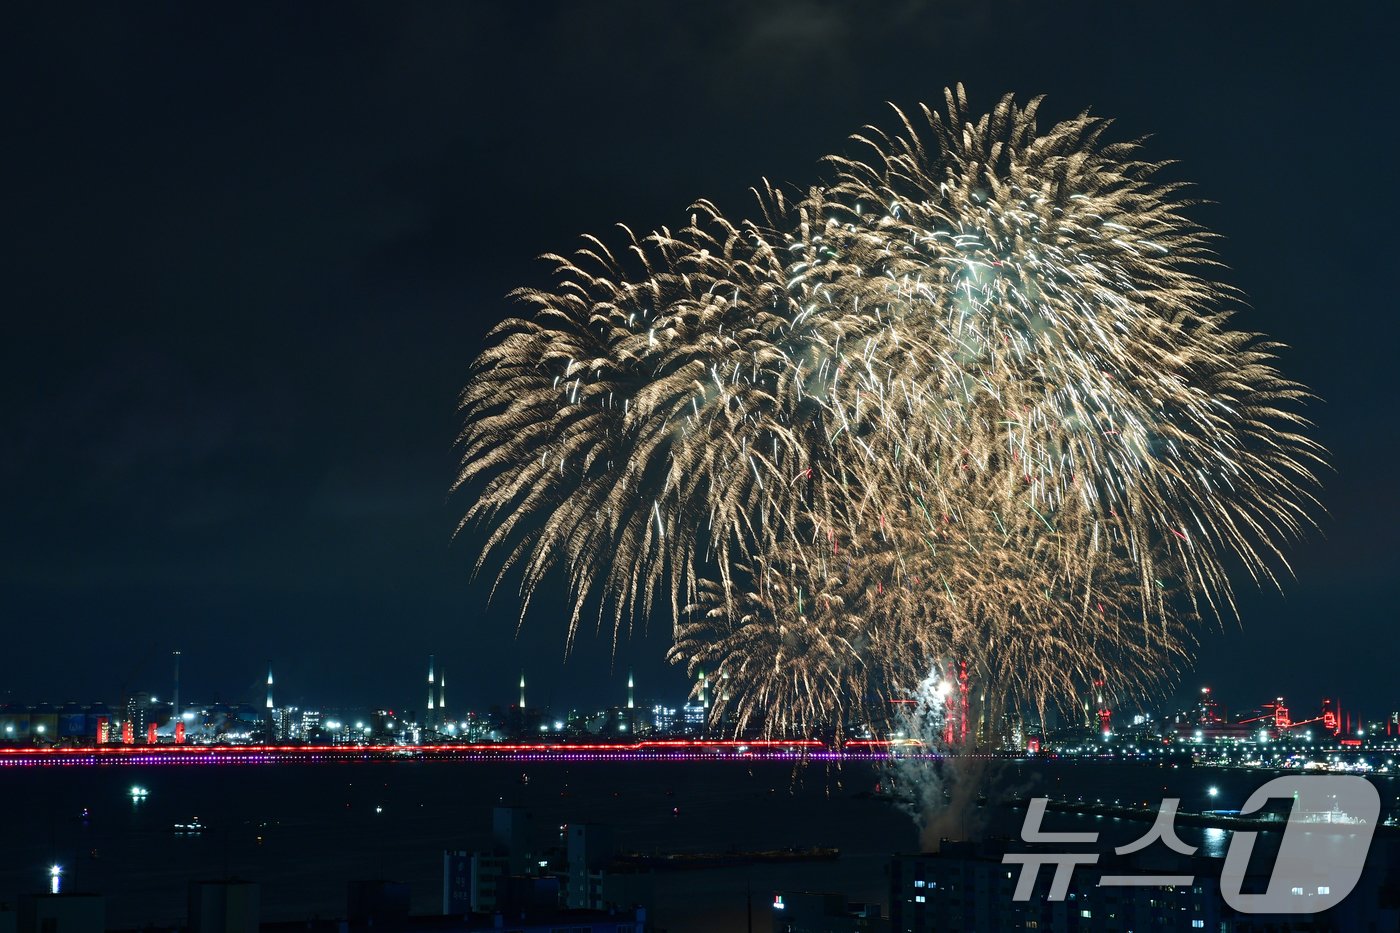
(977,399)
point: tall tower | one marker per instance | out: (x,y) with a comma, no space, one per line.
(432,690)
(442,696)
(175,702)
(962,703)
(1102,710)
(269,685)
(631,697)
(704,690)
(522,690)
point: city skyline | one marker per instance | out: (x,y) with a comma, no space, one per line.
(618,691)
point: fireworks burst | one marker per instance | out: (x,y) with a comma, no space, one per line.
(976,400)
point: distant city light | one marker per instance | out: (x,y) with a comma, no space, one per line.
(1214,792)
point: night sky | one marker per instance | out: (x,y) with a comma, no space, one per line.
(254,249)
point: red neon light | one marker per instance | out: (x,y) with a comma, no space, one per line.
(962,695)
(465,748)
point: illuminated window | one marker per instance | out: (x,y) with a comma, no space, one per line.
(1324,889)
(1086,913)
(1297,890)
(919,883)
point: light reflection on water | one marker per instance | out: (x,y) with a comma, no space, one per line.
(304,831)
(1214,841)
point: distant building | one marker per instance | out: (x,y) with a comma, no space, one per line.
(695,716)
(384,726)
(663,719)
(808,912)
(286,724)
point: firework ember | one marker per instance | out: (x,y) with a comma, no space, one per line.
(976,400)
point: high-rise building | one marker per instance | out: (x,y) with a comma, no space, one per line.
(511,837)
(138,717)
(269,685)
(175,710)
(590,851)
(286,724)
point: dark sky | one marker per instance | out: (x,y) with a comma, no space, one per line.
(255,247)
